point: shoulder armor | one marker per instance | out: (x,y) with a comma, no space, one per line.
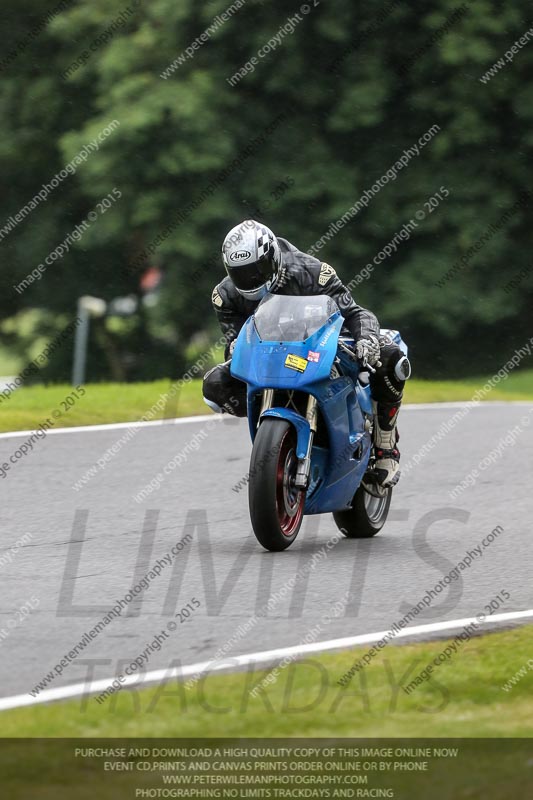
(216,298)
(326,274)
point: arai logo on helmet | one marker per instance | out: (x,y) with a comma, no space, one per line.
(240,255)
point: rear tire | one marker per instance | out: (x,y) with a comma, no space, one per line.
(367,515)
(276,508)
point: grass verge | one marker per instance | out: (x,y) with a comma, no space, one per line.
(104,403)
(463,697)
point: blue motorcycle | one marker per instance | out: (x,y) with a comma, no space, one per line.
(310,419)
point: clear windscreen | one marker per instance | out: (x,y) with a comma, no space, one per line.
(284,318)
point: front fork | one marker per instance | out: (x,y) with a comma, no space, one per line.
(266,403)
(301,480)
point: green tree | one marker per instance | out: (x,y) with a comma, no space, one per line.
(352,87)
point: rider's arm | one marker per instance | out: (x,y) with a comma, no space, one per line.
(315,277)
(360,321)
(231,313)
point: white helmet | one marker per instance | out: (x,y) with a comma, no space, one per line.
(252,258)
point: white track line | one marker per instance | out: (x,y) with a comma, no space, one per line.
(250,659)
(463,403)
(115,426)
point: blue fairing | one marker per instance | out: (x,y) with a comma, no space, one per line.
(262,364)
(344,404)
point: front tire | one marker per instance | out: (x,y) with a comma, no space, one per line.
(368,513)
(276,507)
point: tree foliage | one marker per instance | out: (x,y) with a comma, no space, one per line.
(355,84)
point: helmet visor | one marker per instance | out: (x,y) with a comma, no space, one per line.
(248,277)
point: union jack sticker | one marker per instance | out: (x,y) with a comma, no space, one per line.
(312,356)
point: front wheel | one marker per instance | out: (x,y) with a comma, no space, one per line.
(276,507)
(368,514)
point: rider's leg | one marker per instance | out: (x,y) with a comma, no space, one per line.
(224,393)
(387,385)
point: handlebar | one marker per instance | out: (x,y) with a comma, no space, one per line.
(351,354)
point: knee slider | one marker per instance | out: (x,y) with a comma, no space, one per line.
(402,370)
(395,362)
(386,383)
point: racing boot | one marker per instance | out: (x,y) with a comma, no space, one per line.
(387,465)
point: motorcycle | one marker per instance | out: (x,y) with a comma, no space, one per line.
(310,420)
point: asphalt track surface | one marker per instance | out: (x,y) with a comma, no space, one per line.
(88,548)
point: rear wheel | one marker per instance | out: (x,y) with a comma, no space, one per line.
(368,514)
(276,507)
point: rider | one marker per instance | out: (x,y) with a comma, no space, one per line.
(257,263)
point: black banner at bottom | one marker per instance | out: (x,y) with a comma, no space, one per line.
(115,769)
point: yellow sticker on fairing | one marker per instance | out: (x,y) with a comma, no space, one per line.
(296,362)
